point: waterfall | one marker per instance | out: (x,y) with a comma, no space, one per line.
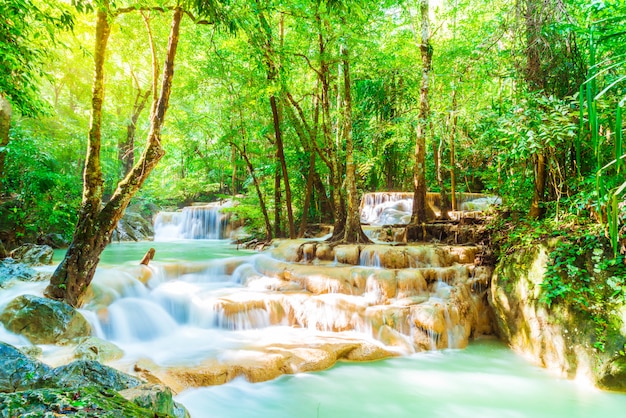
(394,208)
(193,222)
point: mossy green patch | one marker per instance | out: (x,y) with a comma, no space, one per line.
(89,401)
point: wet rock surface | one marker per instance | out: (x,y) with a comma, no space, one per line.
(11,270)
(94,348)
(133,227)
(88,373)
(19,371)
(33,254)
(44,321)
(348,302)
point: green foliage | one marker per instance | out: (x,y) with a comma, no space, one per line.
(27,29)
(582,275)
(45,192)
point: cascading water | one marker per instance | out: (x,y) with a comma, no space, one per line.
(193,222)
(394,208)
(202,322)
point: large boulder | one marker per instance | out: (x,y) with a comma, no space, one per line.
(19,371)
(33,254)
(44,321)
(82,388)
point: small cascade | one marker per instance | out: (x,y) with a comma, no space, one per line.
(454,329)
(193,222)
(394,208)
(293,307)
(369,258)
(134,319)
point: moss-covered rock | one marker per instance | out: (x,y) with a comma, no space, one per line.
(157,398)
(96,402)
(558,335)
(613,374)
(44,321)
(83,388)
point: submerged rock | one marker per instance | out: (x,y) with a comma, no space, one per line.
(33,254)
(19,371)
(44,321)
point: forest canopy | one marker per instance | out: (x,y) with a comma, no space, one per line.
(524,102)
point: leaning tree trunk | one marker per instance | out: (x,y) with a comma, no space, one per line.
(5,125)
(418,214)
(96,223)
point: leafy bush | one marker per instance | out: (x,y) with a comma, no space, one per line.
(44,193)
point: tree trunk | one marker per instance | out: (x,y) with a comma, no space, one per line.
(536,80)
(454,120)
(95,224)
(308,136)
(353,232)
(5,125)
(278,206)
(257,186)
(126,146)
(418,214)
(280,152)
(330,155)
(541,174)
(233,179)
(443,196)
